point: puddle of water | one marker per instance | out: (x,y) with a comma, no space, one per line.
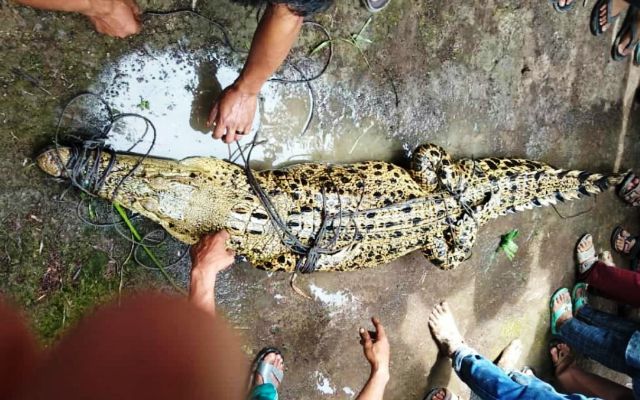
(175,89)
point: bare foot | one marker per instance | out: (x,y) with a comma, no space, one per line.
(444,329)
(510,356)
(561,301)
(562,358)
(275,360)
(617,7)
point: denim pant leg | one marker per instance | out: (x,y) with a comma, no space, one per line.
(595,317)
(489,382)
(606,346)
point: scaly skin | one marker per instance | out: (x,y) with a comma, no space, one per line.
(382,210)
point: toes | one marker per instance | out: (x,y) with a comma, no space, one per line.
(554,355)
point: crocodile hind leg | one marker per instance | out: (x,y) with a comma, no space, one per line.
(432,167)
(453,246)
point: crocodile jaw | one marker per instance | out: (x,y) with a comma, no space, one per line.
(53,161)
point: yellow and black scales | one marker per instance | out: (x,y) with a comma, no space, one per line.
(324,217)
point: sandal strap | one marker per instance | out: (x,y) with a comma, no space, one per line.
(266,370)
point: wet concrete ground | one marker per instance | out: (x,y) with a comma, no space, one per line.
(480,79)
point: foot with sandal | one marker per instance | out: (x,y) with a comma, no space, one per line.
(596,335)
(600,273)
(604,15)
(268,372)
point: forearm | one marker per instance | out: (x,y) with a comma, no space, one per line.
(374,388)
(59,5)
(202,290)
(274,37)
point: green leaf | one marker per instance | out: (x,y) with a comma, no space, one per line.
(138,237)
(319,47)
(508,245)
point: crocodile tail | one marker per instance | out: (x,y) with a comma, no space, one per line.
(548,186)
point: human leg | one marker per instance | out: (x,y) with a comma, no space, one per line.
(573,379)
(482,376)
(606,346)
(605,320)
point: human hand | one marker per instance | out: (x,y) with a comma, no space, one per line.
(232,114)
(118,18)
(210,255)
(376,347)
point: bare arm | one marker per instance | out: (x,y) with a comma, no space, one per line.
(119,18)
(235,109)
(208,257)
(376,351)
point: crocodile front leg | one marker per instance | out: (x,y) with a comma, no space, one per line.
(453,245)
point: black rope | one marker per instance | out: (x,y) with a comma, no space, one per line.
(309,255)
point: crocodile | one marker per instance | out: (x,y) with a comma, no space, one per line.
(328,217)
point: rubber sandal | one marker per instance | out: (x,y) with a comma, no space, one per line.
(558,313)
(266,370)
(579,301)
(565,9)
(448,395)
(624,191)
(587,257)
(628,26)
(596,29)
(374,6)
(633,253)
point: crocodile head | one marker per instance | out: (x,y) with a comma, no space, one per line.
(53,161)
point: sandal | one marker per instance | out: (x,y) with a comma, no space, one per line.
(628,26)
(565,8)
(581,300)
(586,258)
(596,29)
(630,188)
(448,395)
(265,369)
(627,249)
(556,314)
(636,55)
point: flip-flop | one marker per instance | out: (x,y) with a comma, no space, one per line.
(587,257)
(448,395)
(579,301)
(628,26)
(634,251)
(636,55)
(627,187)
(267,370)
(565,8)
(558,313)
(596,29)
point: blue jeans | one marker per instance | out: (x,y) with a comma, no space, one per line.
(610,340)
(489,382)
